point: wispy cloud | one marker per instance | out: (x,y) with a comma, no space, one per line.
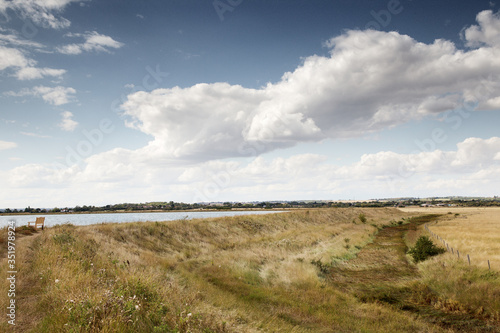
(31,73)
(24,67)
(67,123)
(41,13)
(53,95)
(186,55)
(36,135)
(7,145)
(93,42)
(14,40)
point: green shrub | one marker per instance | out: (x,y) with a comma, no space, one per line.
(424,248)
(362,218)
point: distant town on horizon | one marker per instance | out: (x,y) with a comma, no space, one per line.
(451,201)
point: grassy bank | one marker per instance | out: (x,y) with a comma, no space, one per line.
(235,274)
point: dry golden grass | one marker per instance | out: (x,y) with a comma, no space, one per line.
(473,231)
(238,274)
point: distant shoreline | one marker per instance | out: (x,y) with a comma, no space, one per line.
(152,211)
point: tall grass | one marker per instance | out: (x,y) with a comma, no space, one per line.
(462,288)
(473,231)
(467,293)
(231,274)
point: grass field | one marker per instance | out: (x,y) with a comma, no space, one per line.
(473,231)
(331,270)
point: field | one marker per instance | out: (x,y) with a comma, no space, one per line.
(329,270)
(473,231)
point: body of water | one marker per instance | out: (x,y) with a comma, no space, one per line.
(86,219)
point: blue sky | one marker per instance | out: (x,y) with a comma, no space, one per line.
(236,100)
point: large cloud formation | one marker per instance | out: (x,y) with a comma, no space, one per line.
(473,168)
(371,80)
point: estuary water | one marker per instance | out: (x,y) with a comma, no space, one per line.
(87,219)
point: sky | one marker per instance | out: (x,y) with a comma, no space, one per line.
(113,101)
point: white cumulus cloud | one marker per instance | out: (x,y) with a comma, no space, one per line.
(473,166)
(370,81)
(487,32)
(10,57)
(386,173)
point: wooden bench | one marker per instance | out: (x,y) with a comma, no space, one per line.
(40,221)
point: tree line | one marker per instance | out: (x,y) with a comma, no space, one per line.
(173,206)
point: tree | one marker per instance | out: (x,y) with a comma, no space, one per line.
(423,249)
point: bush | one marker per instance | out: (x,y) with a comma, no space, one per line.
(362,218)
(424,248)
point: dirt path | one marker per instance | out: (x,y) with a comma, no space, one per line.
(383,261)
(381,273)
